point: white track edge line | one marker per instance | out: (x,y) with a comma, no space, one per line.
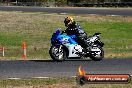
(41,77)
(14,78)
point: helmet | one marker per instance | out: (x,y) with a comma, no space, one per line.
(68,20)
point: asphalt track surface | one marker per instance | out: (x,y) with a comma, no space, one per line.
(69,68)
(64,10)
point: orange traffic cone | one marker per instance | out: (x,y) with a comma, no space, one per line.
(3,51)
(24,56)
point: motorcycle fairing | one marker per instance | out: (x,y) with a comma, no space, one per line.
(67,41)
(70,44)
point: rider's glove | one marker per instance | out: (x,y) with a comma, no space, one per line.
(62,32)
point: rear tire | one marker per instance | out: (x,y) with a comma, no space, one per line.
(54,53)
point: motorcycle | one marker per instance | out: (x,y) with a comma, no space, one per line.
(66,47)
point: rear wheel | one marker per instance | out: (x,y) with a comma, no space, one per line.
(97,53)
(57,53)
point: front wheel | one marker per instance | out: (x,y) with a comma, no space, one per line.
(57,53)
(97,53)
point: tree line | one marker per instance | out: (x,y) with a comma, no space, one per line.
(86,3)
(65,1)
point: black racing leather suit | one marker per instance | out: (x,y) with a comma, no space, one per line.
(75,29)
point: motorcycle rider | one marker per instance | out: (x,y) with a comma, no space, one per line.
(73,28)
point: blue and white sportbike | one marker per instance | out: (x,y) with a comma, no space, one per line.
(66,47)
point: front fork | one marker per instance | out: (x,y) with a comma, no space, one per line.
(60,48)
(59,51)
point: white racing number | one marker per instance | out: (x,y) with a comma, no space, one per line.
(64,40)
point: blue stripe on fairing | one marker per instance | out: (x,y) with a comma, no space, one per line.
(72,41)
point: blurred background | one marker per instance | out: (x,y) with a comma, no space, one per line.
(78,3)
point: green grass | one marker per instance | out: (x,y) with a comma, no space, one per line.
(5,83)
(36,30)
(30,82)
(54,83)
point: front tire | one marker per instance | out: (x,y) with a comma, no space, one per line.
(57,53)
(94,57)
